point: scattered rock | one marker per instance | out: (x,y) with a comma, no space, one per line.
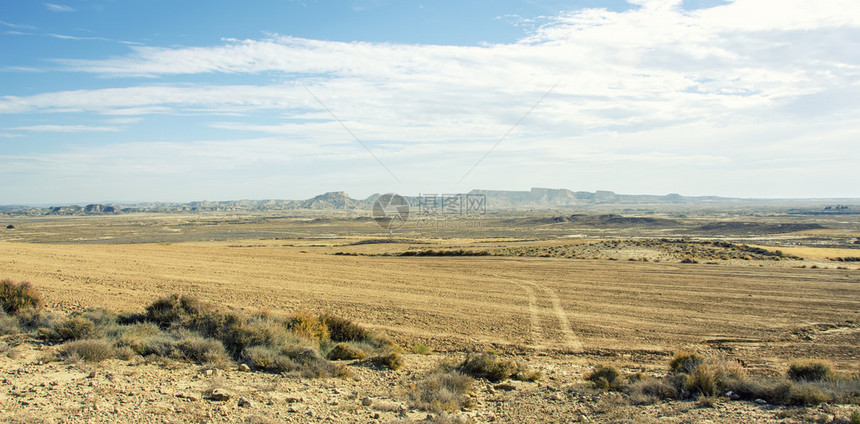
(732,395)
(366,401)
(760,401)
(220,395)
(189,396)
(244,367)
(245,403)
(504,386)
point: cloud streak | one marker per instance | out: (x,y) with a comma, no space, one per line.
(59,8)
(65,128)
(739,89)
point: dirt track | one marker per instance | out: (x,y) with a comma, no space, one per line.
(765,315)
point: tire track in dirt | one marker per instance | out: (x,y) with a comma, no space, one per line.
(572,343)
(536,335)
(539,336)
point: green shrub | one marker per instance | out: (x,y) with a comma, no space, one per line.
(345,352)
(392,361)
(17,296)
(422,349)
(855,417)
(87,350)
(605,377)
(810,370)
(440,392)
(74,328)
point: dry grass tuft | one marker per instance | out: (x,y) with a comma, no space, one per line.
(606,377)
(442,391)
(345,352)
(810,370)
(17,296)
(87,350)
(492,367)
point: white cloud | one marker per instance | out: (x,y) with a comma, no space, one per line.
(53,7)
(751,84)
(66,128)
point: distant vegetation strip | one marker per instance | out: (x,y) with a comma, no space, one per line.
(653,250)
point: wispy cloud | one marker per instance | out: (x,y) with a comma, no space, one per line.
(66,128)
(53,7)
(715,92)
(16,26)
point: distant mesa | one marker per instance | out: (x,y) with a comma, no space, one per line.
(496,200)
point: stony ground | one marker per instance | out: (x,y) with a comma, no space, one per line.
(166,391)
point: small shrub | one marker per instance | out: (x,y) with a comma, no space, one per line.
(807,394)
(810,370)
(442,392)
(488,366)
(100,317)
(125,353)
(344,330)
(87,350)
(392,361)
(703,380)
(261,358)
(8,325)
(74,328)
(685,362)
(650,390)
(309,326)
(161,345)
(855,417)
(201,350)
(174,309)
(708,401)
(34,319)
(605,377)
(345,352)
(421,349)
(17,296)
(312,365)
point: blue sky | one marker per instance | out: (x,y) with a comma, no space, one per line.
(116,100)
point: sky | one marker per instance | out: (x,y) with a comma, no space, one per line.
(132,101)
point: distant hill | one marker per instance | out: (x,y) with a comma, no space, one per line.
(496,200)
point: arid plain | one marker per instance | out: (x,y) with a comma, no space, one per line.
(559,294)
